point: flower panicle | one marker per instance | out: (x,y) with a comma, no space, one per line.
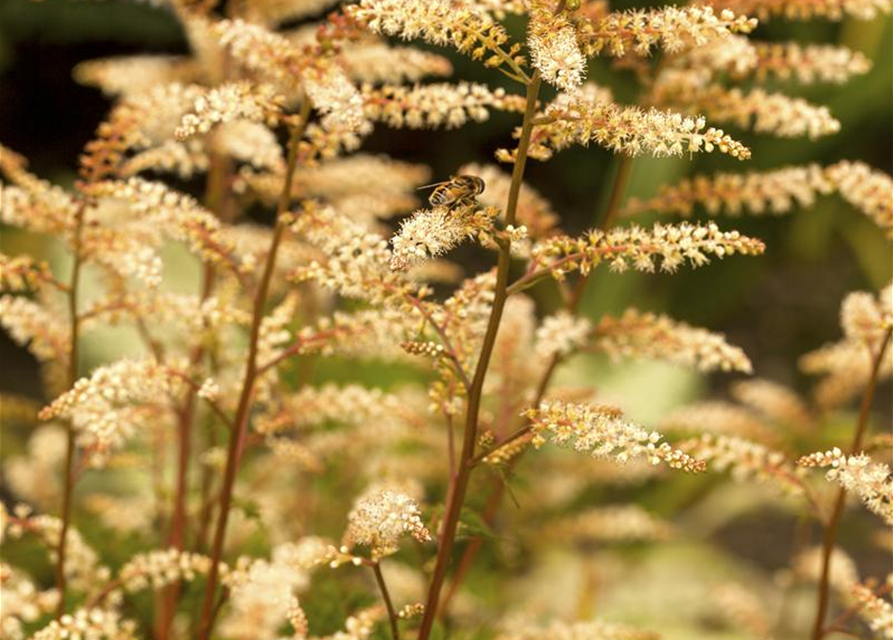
(694,91)
(466,26)
(637,334)
(809,9)
(136,135)
(619,523)
(628,130)
(717,417)
(776,192)
(673,29)
(554,49)
(380,519)
(776,402)
(808,63)
(135,75)
(32,324)
(665,246)
(846,365)
(441,104)
(104,408)
(866,188)
(769,192)
(589,630)
(23,273)
(430,233)
(93,622)
(30,202)
(376,62)
(603,432)
(858,474)
(746,460)
(228,102)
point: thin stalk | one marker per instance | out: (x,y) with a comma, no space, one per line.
(386,596)
(459,484)
(216,200)
(200,543)
(238,434)
(818,629)
(836,625)
(73,357)
(574,299)
(185,419)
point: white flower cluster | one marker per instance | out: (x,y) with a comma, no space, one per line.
(672,28)
(251,142)
(336,97)
(380,519)
(603,432)
(867,189)
(89,624)
(858,474)
(228,102)
(864,317)
(82,567)
(357,260)
(846,365)
(561,334)
(665,246)
(28,323)
(875,611)
(105,408)
(745,460)
(554,51)
(23,603)
(649,335)
(262,596)
(427,234)
(435,105)
(774,401)
(34,477)
(157,569)
(616,523)
(591,630)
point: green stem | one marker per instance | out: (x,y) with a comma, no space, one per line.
(573,303)
(459,484)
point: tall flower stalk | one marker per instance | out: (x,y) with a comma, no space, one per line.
(459,483)
(240,421)
(819,630)
(71,444)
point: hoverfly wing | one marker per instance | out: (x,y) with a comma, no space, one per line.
(433,184)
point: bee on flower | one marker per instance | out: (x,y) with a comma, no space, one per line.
(457,191)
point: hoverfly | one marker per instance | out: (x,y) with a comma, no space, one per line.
(455,191)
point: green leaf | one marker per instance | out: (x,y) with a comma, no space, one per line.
(473,525)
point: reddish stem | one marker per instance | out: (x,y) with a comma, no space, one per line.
(818,630)
(239,432)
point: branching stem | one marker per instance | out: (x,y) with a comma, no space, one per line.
(239,432)
(573,300)
(819,630)
(459,484)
